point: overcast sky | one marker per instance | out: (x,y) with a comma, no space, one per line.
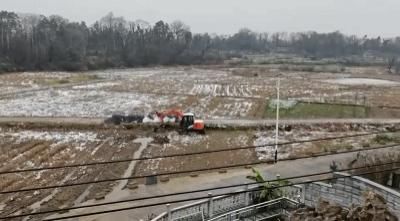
(371,17)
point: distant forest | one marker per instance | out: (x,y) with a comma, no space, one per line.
(36,42)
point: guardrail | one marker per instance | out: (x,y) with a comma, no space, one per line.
(345,191)
(270,209)
(215,206)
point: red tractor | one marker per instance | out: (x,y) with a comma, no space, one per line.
(190,123)
(187,121)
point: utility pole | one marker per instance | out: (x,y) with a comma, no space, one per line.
(277,120)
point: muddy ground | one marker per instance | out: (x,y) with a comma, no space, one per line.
(211,92)
(30,148)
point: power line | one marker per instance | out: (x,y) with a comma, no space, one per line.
(198,190)
(187,154)
(207,197)
(191,171)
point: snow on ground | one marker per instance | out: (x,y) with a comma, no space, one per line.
(125,91)
(362,81)
(186,140)
(221,90)
(81,103)
(239,141)
(153,164)
(232,107)
(48,74)
(200,107)
(8,89)
(177,75)
(79,138)
(136,73)
(96,85)
(11,87)
(268,152)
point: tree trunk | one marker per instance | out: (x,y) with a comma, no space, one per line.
(2,38)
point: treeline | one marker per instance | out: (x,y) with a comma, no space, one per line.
(35,42)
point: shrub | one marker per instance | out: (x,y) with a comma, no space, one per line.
(385,138)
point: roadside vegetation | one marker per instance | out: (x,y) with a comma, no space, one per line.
(268,189)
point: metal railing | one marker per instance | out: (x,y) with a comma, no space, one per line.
(266,210)
(215,206)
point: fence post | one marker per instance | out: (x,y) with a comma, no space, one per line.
(303,194)
(246,195)
(210,206)
(169,218)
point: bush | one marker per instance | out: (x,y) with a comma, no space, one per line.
(385,138)
(72,66)
(7,67)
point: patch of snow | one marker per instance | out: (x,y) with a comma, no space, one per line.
(267,152)
(240,141)
(49,74)
(29,83)
(362,81)
(39,175)
(8,89)
(186,140)
(29,163)
(200,107)
(221,90)
(128,73)
(82,103)
(151,119)
(79,138)
(36,206)
(153,164)
(232,107)
(99,85)
(100,145)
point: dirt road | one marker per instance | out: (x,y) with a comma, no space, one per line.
(94,122)
(268,122)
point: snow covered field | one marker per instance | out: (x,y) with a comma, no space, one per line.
(222,90)
(209,92)
(81,103)
(80,139)
(127,91)
(363,81)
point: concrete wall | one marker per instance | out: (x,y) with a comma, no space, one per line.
(348,190)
